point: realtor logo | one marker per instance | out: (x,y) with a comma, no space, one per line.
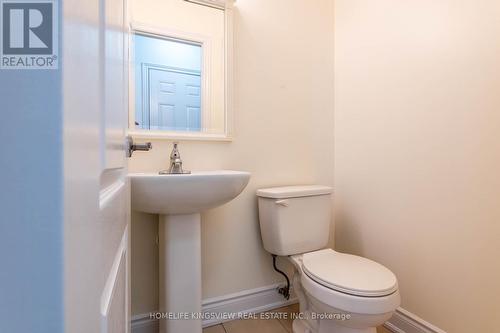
(29,34)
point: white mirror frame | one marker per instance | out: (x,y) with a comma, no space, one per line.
(227,135)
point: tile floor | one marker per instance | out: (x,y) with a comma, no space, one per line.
(262,325)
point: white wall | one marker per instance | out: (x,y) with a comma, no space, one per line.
(283,135)
(417,141)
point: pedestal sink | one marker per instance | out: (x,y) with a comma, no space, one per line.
(179,200)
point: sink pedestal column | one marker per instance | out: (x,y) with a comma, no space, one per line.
(180,272)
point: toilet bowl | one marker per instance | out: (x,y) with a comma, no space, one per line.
(337,292)
(342,293)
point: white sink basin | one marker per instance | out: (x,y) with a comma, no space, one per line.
(185,194)
(179,199)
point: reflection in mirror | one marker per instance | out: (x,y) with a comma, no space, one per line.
(168,84)
(181,70)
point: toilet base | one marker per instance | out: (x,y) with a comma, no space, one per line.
(300,326)
(356,323)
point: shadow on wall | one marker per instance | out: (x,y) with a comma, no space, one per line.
(144,262)
(223,225)
(347,234)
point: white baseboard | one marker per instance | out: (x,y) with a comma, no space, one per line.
(247,301)
(144,324)
(404,321)
(267,298)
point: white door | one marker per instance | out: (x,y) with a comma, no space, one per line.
(174,99)
(97,194)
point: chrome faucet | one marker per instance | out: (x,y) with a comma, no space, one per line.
(175,163)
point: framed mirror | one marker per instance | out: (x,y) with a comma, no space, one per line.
(181,72)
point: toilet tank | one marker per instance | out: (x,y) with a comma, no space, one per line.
(294,219)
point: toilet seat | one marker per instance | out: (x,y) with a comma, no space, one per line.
(349,274)
(340,302)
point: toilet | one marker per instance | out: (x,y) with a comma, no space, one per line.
(337,292)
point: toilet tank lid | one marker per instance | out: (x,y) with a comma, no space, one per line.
(294,191)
